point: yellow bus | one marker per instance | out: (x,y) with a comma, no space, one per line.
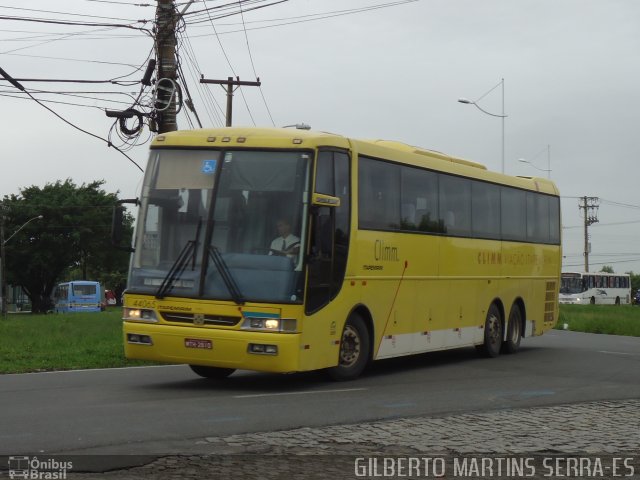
(282,250)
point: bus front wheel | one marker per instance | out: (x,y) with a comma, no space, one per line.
(212,372)
(492,333)
(354,350)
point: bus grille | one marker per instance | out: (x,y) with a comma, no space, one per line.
(199,319)
(550,302)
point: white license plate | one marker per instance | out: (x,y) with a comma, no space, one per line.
(198,343)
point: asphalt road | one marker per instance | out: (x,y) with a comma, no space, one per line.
(160,410)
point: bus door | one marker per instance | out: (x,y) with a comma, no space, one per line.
(330,227)
(61,298)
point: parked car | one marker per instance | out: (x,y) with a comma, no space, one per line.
(636,298)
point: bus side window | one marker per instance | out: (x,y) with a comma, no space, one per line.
(408,216)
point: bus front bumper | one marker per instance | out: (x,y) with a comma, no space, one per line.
(239,349)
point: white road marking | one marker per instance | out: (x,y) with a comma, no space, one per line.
(308,392)
(619,353)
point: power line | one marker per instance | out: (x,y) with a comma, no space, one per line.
(77,24)
(70,14)
(313,17)
(86,35)
(202,16)
(211,106)
(601,263)
(230,66)
(253,65)
(604,224)
(617,254)
(84,60)
(619,204)
(122,3)
(60,102)
(20,87)
(61,38)
(71,80)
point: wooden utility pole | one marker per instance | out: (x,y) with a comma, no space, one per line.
(166,74)
(590,206)
(228,85)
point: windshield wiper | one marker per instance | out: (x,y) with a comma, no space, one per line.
(176,269)
(225,273)
(175,272)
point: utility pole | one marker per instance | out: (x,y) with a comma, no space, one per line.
(3,282)
(590,206)
(228,85)
(166,74)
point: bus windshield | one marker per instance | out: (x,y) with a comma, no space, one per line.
(84,289)
(571,284)
(223,225)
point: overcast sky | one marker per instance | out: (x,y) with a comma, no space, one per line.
(571,72)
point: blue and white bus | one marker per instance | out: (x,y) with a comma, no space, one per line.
(582,288)
(77,296)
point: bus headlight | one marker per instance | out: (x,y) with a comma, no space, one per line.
(139,315)
(287,325)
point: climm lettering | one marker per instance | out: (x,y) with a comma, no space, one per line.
(385,253)
(497,258)
(489,258)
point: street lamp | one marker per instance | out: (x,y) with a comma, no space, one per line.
(3,242)
(299,126)
(530,162)
(503,116)
(39,217)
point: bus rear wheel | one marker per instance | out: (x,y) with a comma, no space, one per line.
(492,333)
(592,301)
(355,350)
(212,372)
(514,331)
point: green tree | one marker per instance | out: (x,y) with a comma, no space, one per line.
(635,282)
(72,236)
(607,269)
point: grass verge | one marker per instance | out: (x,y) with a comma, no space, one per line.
(608,319)
(37,343)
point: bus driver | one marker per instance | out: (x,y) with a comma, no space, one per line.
(286,244)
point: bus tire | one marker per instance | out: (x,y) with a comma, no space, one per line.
(492,333)
(592,301)
(514,331)
(212,372)
(617,300)
(355,350)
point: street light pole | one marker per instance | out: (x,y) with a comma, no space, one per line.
(530,162)
(502,116)
(39,217)
(3,242)
(3,283)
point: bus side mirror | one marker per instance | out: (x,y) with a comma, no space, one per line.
(322,200)
(117,224)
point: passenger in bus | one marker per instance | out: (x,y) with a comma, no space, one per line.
(285,244)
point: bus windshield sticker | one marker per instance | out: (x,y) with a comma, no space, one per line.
(209,167)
